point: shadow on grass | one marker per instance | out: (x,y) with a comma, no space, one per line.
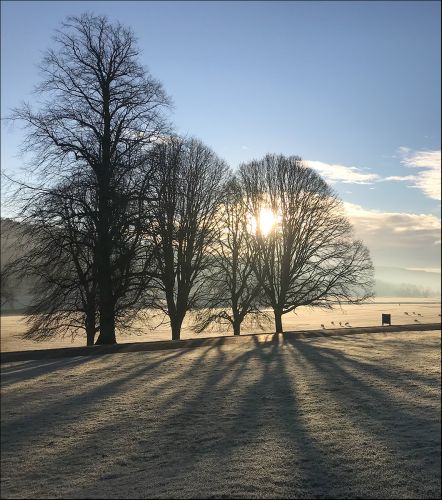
(37,368)
(287,418)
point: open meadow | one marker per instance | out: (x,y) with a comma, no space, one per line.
(369,314)
(356,416)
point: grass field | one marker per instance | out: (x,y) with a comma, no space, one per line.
(348,417)
(304,319)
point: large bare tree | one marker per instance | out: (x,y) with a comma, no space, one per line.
(189,185)
(98,109)
(308,257)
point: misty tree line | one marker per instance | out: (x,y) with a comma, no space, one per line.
(128,216)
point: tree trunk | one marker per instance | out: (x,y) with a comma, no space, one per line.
(278,320)
(106,300)
(236,327)
(90,337)
(107,330)
(175,324)
(90,329)
(104,244)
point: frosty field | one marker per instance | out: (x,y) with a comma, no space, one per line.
(352,416)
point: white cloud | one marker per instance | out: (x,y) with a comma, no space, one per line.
(399,178)
(428,180)
(398,238)
(340,173)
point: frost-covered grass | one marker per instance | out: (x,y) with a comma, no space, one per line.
(368,314)
(353,416)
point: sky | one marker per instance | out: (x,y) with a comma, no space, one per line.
(351,87)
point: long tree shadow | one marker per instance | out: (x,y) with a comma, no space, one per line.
(59,403)
(302,465)
(279,419)
(268,412)
(408,429)
(146,441)
(38,368)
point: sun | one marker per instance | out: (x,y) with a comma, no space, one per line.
(263,223)
(266,221)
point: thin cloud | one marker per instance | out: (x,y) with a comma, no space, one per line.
(425,269)
(400,178)
(396,222)
(333,173)
(428,180)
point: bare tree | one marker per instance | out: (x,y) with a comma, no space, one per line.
(189,189)
(232,290)
(307,256)
(58,233)
(99,108)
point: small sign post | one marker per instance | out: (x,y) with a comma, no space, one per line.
(386,319)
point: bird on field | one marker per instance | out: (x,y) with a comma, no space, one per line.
(333,323)
(340,324)
(419,314)
(347,324)
(406,313)
(322,326)
(416,321)
(414,313)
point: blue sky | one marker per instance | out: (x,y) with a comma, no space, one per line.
(353,87)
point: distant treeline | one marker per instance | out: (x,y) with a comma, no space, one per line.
(384,289)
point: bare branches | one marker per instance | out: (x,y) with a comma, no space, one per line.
(99,112)
(124,215)
(232,291)
(189,182)
(309,257)
(58,237)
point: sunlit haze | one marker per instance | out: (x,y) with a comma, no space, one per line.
(264,222)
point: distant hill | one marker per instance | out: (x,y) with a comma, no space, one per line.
(398,282)
(11,231)
(14,296)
